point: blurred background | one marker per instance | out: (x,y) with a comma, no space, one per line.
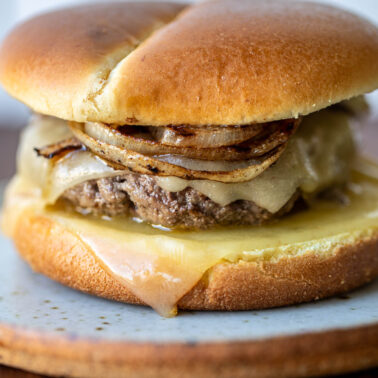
(14,115)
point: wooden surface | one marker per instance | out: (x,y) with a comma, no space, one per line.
(15,373)
(6,372)
(309,354)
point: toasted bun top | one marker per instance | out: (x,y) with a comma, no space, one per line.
(218,62)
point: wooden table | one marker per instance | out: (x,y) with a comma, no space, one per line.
(6,372)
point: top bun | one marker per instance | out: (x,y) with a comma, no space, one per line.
(218,62)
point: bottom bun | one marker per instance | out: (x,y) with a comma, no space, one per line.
(52,249)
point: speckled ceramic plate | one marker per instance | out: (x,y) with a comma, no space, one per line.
(51,329)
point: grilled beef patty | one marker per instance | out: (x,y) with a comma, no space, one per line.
(139,195)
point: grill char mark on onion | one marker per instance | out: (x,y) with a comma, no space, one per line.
(58,150)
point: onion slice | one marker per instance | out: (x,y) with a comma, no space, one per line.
(139,139)
(204,136)
(137,162)
(59,149)
(271,138)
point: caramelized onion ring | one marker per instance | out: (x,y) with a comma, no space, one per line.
(139,140)
(59,149)
(204,136)
(272,138)
(140,163)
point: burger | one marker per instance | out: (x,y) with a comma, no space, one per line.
(195,157)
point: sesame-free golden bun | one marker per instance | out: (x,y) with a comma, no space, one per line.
(217,62)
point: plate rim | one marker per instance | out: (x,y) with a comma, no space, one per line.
(326,352)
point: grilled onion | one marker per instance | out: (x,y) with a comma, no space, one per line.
(271,138)
(59,149)
(139,139)
(204,136)
(137,162)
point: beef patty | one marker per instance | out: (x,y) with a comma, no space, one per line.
(139,195)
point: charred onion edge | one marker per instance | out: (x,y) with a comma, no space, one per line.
(59,149)
(136,162)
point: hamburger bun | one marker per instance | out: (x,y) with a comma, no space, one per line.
(212,63)
(54,251)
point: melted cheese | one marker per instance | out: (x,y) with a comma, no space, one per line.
(54,177)
(160,267)
(318,156)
